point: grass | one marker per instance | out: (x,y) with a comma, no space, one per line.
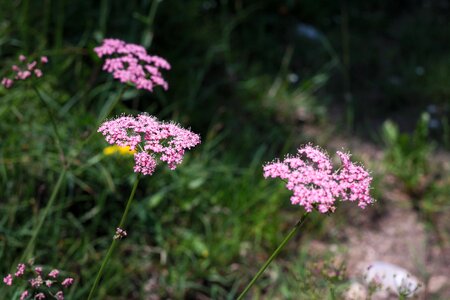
(199,231)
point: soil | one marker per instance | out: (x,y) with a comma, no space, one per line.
(393,231)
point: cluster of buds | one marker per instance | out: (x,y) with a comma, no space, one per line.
(120,234)
(24,70)
(40,284)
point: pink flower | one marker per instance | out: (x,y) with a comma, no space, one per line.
(38,73)
(131,63)
(22,75)
(150,139)
(8,280)
(38,270)
(354,182)
(7,83)
(25,71)
(36,282)
(48,283)
(67,282)
(39,296)
(145,163)
(31,65)
(24,295)
(120,234)
(54,273)
(20,270)
(59,295)
(309,175)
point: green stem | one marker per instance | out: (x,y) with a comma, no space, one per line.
(114,241)
(274,254)
(152,14)
(29,249)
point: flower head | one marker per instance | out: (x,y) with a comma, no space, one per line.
(120,234)
(40,286)
(131,63)
(151,140)
(309,175)
(24,71)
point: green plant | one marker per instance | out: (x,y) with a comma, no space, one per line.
(407,155)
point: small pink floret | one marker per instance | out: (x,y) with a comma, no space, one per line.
(24,295)
(67,282)
(8,279)
(22,58)
(38,73)
(7,83)
(53,273)
(20,270)
(36,282)
(39,296)
(31,65)
(59,295)
(44,59)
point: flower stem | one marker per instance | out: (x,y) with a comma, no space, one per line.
(114,241)
(274,254)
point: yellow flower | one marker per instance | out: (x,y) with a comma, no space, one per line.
(110,150)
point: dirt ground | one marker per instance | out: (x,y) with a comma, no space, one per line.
(396,233)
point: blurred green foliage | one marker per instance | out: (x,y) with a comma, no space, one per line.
(245,73)
(407,155)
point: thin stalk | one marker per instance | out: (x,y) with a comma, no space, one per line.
(274,254)
(30,246)
(152,14)
(114,241)
(104,12)
(148,34)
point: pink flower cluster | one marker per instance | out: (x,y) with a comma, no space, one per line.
(120,234)
(151,139)
(25,71)
(310,176)
(40,285)
(131,63)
